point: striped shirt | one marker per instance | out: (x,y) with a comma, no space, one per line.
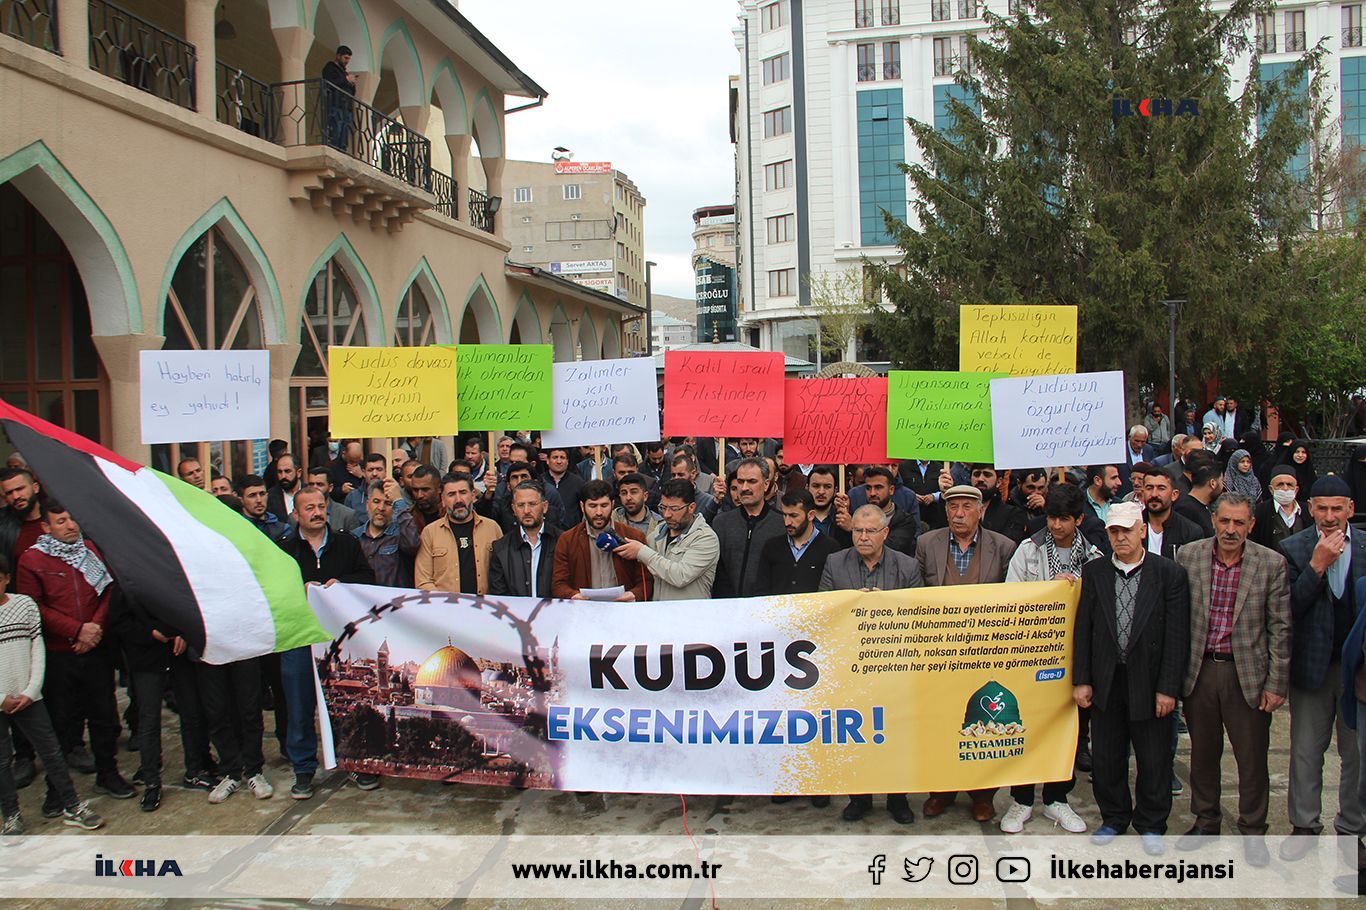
(1223,593)
(22,655)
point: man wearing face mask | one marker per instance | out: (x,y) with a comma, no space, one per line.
(1281,516)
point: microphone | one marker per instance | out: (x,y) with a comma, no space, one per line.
(608,540)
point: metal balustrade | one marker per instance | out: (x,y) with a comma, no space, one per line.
(31,21)
(134,51)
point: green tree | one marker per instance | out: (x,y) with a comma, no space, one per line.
(1039,194)
(844,302)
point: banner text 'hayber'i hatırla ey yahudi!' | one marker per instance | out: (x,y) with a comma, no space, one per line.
(842,692)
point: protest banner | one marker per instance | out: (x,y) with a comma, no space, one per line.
(377,392)
(505,385)
(939,416)
(723,394)
(597,402)
(1055,421)
(187,396)
(942,688)
(835,421)
(1018,340)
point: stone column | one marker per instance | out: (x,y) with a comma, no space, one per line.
(844,155)
(120,355)
(459,146)
(199,26)
(294,43)
(282,357)
(73,31)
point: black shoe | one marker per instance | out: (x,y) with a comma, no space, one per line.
(900,810)
(151,798)
(1084,761)
(780,799)
(365,781)
(303,787)
(80,760)
(1255,852)
(25,771)
(820,802)
(52,806)
(854,811)
(112,784)
(1195,839)
(205,782)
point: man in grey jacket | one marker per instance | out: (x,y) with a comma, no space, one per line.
(683,553)
(743,532)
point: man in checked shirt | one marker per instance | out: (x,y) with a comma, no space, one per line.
(1238,671)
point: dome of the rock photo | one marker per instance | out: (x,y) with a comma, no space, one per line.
(446,676)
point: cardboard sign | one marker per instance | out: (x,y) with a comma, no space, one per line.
(1052,421)
(723,394)
(189,396)
(505,386)
(599,402)
(377,392)
(835,421)
(939,416)
(1017,340)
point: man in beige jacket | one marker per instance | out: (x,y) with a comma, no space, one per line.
(454,553)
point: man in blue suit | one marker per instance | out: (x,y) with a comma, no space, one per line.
(1326,563)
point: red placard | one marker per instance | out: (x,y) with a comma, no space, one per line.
(836,421)
(723,394)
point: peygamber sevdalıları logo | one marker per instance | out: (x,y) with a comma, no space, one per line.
(992,725)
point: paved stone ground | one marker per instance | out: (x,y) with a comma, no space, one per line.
(409,807)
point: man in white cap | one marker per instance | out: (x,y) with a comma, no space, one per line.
(1130,651)
(964,553)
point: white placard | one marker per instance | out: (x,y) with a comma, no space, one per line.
(599,402)
(1057,421)
(191,396)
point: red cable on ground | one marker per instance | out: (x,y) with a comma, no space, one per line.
(711,885)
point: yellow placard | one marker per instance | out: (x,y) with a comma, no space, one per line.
(1018,340)
(376,392)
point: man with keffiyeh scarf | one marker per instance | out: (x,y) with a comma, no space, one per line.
(66,575)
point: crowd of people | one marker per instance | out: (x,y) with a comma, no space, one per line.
(1218,580)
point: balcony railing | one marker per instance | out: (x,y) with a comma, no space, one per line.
(247,103)
(969,9)
(891,13)
(315,112)
(1294,41)
(1351,37)
(480,216)
(940,11)
(891,71)
(1266,44)
(31,21)
(867,72)
(444,188)
(131,49)
(944,66)
(863,17)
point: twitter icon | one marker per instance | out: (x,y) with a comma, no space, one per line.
(919,870)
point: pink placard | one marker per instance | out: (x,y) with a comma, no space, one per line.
(835,421)
(723,394)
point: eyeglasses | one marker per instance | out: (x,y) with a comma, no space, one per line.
(671,510)
(866,532)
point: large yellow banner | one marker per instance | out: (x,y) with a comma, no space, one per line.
(1020,340)
(376,392)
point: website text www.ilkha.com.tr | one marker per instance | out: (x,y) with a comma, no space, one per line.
(611,870)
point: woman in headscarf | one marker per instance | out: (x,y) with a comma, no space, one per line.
(1240,478)
(1211,433)
(1298,457)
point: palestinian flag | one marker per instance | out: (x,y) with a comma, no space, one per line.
(198,567)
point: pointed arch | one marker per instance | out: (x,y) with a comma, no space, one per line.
(450,94)
(588,337)
(485,126)
(611,337)
(88,234)
(352,28)
(481,302)
(287,13)
(407,64)
(359,275)
(561,334)
(244,244)
(422,275)
(527,322)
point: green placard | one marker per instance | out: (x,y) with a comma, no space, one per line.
(504,386)
(934,416)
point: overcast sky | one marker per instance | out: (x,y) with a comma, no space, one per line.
(640,83)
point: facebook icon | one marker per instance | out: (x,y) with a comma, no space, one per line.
(878,866)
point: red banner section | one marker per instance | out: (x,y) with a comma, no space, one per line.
(835,421)
(723,394)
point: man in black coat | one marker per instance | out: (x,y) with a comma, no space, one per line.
(998,514)
(792,564)
(1167,530)
(1129,658)
(522,560)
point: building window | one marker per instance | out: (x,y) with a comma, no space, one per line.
(867,65)
(772,16)
(863,14)
(1130,36)
(1294,30)
(943,56)
(777,69)
(572,191)
(332,315)
(1351,25)
(778,176)
(1266,33)
(891,12)
(939,10)
(963,60)
(777,123)
(414,326)
(891,60)
(782,282)
(881,149)
(521,194)
(526,249)
(969,9)
(782,229)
